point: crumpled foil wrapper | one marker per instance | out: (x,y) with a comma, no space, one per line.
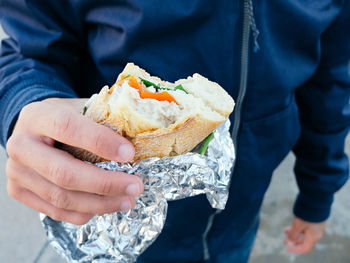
(123,236)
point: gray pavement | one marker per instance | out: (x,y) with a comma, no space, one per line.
(22,239)
(21,234)
(276,214)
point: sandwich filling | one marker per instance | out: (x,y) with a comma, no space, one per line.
(135,105)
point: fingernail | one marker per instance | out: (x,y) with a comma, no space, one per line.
(125,152)
(125,205)
(133,190)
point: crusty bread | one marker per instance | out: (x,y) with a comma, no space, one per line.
(158,128)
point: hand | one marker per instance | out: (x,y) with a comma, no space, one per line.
(52,181)
(302,236)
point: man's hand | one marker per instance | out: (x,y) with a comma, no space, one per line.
(302,236)
(52,181)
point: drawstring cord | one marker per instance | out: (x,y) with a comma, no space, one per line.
(253,27)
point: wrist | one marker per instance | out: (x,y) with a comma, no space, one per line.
(314,212)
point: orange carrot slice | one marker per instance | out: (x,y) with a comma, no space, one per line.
(134,83)
(161,96)
(144,93)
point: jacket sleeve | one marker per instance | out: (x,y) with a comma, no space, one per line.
(322,166)
(40,59)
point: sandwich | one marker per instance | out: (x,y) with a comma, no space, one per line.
(160,118)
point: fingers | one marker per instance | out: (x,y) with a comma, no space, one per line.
(304,244)
(302,236)
(54,182)
(294,231)
(69,173)
(295,237)
(64,199)
(72,128)
(33,201)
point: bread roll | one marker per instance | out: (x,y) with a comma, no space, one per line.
(158,127)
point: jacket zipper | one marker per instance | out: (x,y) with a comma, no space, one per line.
(248,22)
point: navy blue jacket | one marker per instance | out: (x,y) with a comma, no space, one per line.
(293,94)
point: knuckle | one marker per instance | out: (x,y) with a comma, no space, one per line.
(26,111)
(63,124)
(59,198)
(13,146)
(13,191)
(106,186)
(57,214)
(99,143)
(10,170)
(60,175)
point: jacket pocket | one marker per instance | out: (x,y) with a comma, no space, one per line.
(264,143)
(275,134)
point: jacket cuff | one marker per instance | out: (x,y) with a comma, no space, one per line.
(22,93)
(311,211)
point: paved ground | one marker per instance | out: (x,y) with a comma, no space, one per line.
(22,239)
(276,213)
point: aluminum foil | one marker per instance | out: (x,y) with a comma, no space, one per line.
(123,236)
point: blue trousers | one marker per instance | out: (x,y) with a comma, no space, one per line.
(240,254)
